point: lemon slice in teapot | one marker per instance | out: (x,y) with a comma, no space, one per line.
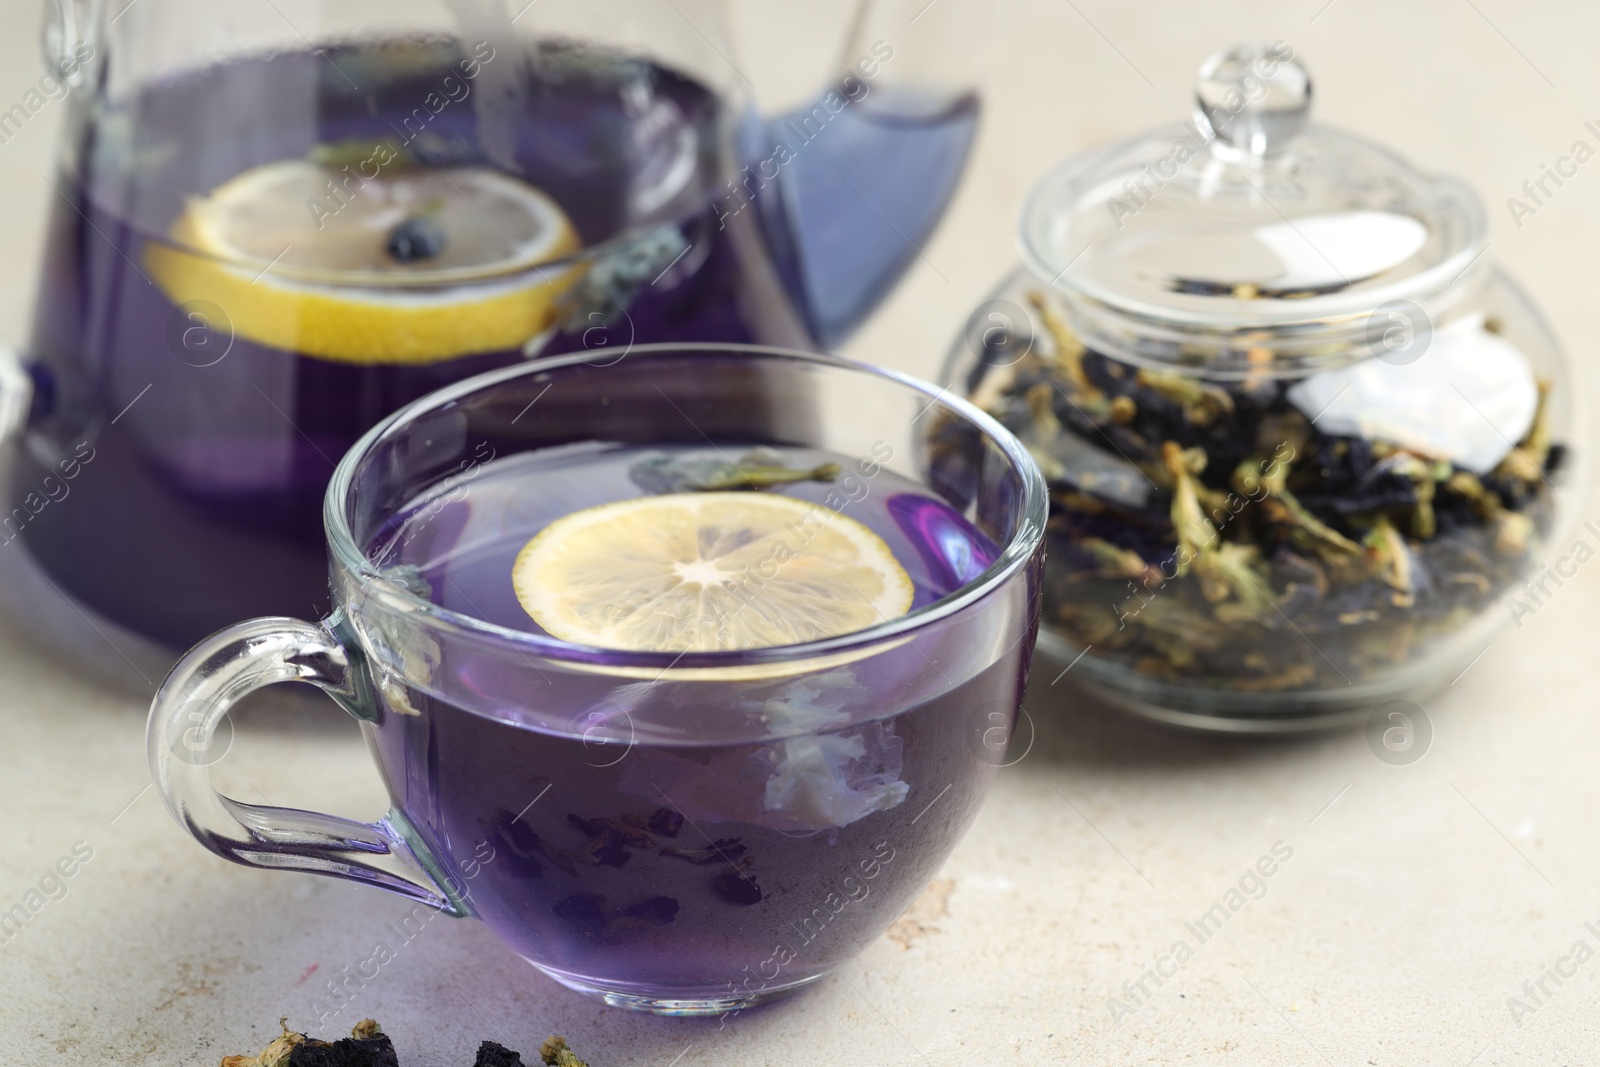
(705,572)
(413,266)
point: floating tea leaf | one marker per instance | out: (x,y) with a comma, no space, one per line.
(757,469)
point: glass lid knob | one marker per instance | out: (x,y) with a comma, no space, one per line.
(1255,98)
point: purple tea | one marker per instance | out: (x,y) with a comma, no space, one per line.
(625,851)
(213,437)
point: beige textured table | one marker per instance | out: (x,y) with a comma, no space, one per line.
(1417,901)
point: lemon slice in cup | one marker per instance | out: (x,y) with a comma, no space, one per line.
(294,266)
(707,572)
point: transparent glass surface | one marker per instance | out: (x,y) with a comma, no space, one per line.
(277,224)
(1305,442)
(687,833)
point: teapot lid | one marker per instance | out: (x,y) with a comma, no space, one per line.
(1248,229)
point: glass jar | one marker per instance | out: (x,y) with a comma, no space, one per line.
(1305,442)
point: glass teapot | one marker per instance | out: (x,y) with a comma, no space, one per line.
(278,221)
(1306,443)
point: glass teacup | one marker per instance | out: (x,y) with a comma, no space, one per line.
(680,832)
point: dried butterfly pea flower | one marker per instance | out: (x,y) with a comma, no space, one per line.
(664,821)
(1368,544)
(1096,624)
(1295,676)
(1513,533)
(1394,561)
(610,840)
(737,887)
(1306,530)
(494,1054)
(1422,476)
(1041,432)
(276,1054)
(723,850)
(1527,461)
(1229,573)
(629,834)
(1194,530)
(1283,432)
(375,1051)
(1302,581)
(1202,404)
(1110,561)
(1176,619)
(988,384)
(368,1046)
(555,1052)
(1067,359)
(1485,502)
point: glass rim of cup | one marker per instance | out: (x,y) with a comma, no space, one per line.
(1021,547)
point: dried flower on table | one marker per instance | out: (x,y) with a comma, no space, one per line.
(494,1054)
(555,1052)
(368,1046)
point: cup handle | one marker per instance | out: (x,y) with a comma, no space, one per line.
(181,745)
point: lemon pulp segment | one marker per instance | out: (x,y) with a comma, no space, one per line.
(295,268)
(706,572)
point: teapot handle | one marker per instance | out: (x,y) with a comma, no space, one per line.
(868,165)
(70,39)
(16,395)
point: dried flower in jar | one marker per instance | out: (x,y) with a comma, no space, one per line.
(1211,533)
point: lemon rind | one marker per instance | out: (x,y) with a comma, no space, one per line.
(368,322)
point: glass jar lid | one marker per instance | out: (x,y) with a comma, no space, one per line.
(1247,229)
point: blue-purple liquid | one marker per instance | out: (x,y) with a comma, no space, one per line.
(661,862)
(864,192)
(463,539)
(202,504)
